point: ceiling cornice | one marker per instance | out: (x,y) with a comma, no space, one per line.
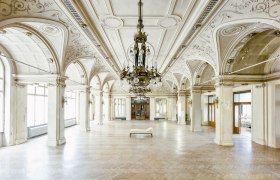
(88,30)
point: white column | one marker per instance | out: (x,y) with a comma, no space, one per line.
(107,106)
(91,113)
(182,107)
(224,114)
(77,106)
(20,131)
(152,108)
(188,107)
(169,108)
(98,107)
(128,108)
(56,101)
(204,106)
(258,114)
(84,108)
(174,109)
(196,113)
(273,114)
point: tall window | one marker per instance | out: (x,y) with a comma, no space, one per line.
(37,105)
(1,97)
(70,105)
(211,111)
(161,108)
(119,104)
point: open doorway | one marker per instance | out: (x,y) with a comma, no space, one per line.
(242,111)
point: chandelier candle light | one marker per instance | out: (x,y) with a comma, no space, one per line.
(140,77)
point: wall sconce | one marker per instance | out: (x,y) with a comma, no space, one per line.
(190,102)
(64,101)
(216,101)
(90,102)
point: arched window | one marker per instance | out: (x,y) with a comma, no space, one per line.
(37,105)
(1,96)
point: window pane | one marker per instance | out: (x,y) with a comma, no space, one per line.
(30,110)
(40,90)
(30,89)
(40,110)
(242,97)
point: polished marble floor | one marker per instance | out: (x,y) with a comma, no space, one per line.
(107,152)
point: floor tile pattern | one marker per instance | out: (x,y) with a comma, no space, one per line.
(107,152)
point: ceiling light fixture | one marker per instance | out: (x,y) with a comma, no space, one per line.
(140,77)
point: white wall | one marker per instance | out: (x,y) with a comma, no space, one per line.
(273,116)
(258,114)
(1,141)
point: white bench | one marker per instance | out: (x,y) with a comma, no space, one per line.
(141,131)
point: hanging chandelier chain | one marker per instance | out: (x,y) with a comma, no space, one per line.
(140,77)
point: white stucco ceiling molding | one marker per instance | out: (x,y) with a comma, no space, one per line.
(197,74)
(222,66)
(274,66)
(47,50)
(111,22)
(234,10)
(50,30)
(169,22)
(82,72)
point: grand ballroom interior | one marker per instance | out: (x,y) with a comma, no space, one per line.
(139,89)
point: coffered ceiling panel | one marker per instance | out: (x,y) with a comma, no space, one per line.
(130,8)
(116,22)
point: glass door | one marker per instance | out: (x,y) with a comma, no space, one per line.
(140,108)
(242,112)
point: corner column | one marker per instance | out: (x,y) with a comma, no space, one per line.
(107,106)
(196,113)
(128,108)
(20,113)
(181,107)
(224,113)
(98,107)
(84,108)
(152,108)
(56,100)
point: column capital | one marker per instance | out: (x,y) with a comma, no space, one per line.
(50,79)
(57,81)
(20,85)
(182,92)
(223,84)
(96,92)
(107,94)
(196,89)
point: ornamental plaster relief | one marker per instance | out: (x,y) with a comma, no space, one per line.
(77,45)
(233,10)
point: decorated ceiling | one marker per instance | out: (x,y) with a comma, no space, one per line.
(191,41)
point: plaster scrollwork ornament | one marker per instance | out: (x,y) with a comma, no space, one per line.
(169,22)
(232,30)
(12,7)
(270,8)
(111,22)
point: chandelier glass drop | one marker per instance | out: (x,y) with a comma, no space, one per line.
(140,77)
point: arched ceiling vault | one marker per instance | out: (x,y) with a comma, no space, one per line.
(183,35)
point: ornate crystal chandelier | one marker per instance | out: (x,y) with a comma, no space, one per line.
(140,77)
